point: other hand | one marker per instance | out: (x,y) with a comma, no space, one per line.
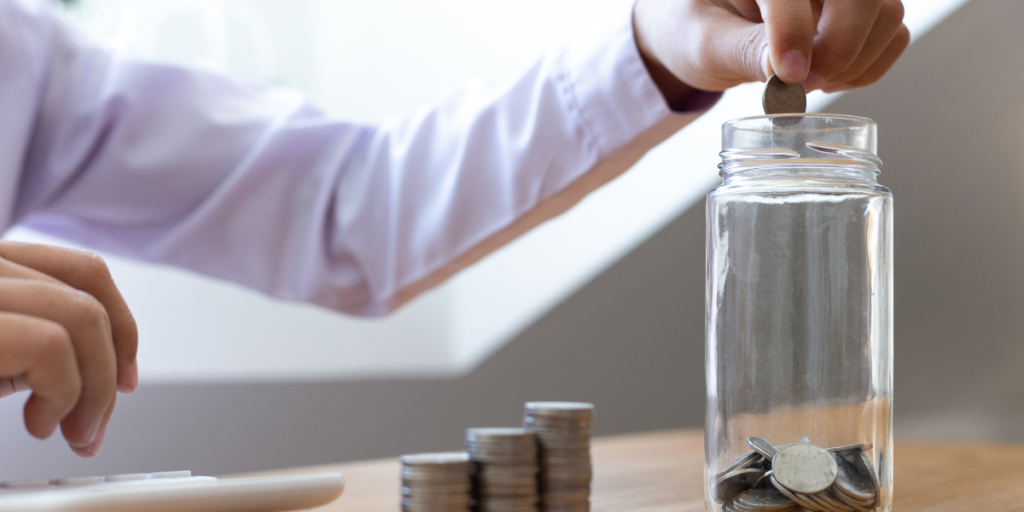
(713,45)
(66,334)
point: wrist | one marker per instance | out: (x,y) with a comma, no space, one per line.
(678,94)
(671,87)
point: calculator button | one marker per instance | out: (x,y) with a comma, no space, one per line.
(129,477)
(78,481)
(172,474)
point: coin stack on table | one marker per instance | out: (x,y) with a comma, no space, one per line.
(799,476)
(563,432)
(506,469)
(436,482)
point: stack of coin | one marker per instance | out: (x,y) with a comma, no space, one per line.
(800,476)
(563,435)
(436,482)
(506,469)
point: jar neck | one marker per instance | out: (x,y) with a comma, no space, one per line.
(816,162)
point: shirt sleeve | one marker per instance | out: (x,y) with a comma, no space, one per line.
(254,185)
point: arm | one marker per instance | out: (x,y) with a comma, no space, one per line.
(255,186)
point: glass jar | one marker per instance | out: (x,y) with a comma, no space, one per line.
(799,318)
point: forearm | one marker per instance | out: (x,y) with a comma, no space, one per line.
(194,170)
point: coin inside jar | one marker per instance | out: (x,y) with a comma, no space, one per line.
(805,468)
(744,461)
(762,446)
(854,484)
(765,500)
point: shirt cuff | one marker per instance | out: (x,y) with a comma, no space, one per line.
(613,93)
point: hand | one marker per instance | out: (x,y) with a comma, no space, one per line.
(716,44)
(66,334)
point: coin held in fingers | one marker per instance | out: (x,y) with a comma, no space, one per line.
(782,98)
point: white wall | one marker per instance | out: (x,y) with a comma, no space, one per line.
(365,61)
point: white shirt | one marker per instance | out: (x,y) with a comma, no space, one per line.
(254,185)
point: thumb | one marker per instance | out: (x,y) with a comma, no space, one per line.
(789,28)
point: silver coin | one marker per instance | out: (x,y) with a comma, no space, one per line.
(428,500)
(486,507)
(526,448)
(491,476)
(508,491)
(560,409)
(762,446)
(766,500)
(799,499)
(730,485)
(747,473)
(411,488)
(743,461)
(434,508)
(574,433)
(540,421)
(446,473)
(493,460)
(496,434)
(842,450)
(764,475)
(819,505)
(511,500)
(433,481)
(782,98)
(805,468)
(833,503)
(852,503)
(852,482)
(504,458)
(863,463)
(436,459)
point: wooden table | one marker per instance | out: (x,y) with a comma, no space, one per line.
(663,471)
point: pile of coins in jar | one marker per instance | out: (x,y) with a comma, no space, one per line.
(542,467)
(800,476)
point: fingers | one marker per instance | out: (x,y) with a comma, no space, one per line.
(41,353)
(790,27)
(12,385)
(880,67)
(86,322)
(844,28)
(887,24)
(85,271)
(93,448)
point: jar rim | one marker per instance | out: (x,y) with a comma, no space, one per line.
(800,143)
(867,120)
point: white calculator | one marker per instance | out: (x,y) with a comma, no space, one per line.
(174,491)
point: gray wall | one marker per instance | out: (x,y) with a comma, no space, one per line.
(952,130)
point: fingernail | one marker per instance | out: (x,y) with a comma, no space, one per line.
(813,82)
(94,449)
(793,67)
(836,88)
(131,379)
(133,376)
(90,437)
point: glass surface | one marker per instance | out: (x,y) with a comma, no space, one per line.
(799,297)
